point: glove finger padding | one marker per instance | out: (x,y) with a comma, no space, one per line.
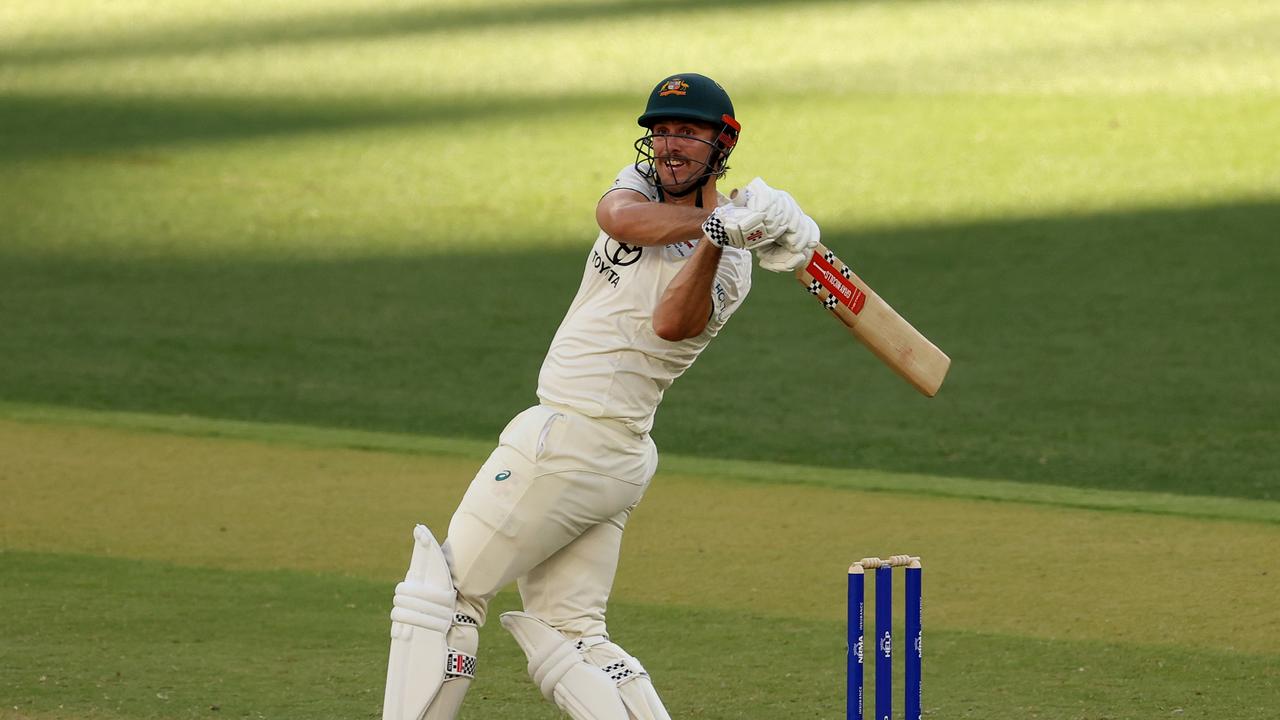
(783,214)
(780,209)
(776,258)
(803,238)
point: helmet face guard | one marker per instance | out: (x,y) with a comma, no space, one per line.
(716,163)
(688,96)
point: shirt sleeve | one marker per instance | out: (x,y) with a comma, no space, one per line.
(630,178)
(730,288)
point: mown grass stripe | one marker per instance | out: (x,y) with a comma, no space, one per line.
(148,639)
(749,471)
(725,543)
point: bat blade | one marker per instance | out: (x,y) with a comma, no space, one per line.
(873,322)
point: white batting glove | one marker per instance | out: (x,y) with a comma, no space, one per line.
(737,226)
(793,254)
(781,211)
(776,258)
(804,237)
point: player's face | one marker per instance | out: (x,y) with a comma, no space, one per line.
(681,149)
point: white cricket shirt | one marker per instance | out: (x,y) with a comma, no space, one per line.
(606,360)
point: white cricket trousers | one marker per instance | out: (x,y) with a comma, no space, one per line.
(547,509)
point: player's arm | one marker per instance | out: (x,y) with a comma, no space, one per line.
(685,307)
(630,217)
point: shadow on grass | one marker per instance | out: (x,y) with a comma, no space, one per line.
(52,125)
(1133,350)
(422,21)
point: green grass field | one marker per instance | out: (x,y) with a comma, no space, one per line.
(273,276)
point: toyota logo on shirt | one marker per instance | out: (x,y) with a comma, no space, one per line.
(620,253)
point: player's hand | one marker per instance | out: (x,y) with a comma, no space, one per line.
(802,238)
(776,258)
(781,212)
(793,250)
(737,226)
(784,220)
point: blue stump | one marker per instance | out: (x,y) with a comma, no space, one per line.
(853,665)
(884,642)
(915,638)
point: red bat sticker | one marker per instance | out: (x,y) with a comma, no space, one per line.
(839,285)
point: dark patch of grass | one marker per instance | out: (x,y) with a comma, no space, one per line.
(371,24)
(51,125)
(1128,350)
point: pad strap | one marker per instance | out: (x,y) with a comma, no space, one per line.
(459,664)
(622,669)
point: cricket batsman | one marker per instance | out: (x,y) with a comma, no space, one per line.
(671,264)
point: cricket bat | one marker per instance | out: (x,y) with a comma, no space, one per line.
(870,319)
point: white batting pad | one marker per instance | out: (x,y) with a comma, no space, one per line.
(420,619)
(562,673)
(634,686)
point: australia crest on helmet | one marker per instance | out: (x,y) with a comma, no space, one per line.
(674,86)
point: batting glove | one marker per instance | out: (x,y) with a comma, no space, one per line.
(791,251)
(776,258)
(804,237)
(737,226)
(781,212)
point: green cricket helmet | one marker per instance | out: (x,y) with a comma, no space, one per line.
(689,96)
